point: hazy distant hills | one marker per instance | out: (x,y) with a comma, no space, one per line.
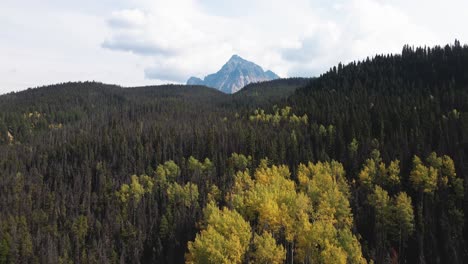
(234,75)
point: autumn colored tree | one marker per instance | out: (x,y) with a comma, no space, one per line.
(375,171)
(402,217)
(266,250)
(313,220)
(327,235)
(224,239)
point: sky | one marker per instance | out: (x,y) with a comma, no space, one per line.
(150,42)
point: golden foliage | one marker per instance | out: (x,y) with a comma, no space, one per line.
(267,251)
(224,240)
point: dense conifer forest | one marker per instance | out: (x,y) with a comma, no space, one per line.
(366,163)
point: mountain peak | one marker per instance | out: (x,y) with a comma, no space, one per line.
(235,57)
(234,75)
(194,81)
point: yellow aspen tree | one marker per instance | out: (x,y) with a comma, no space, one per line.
(267,251)
(225,238)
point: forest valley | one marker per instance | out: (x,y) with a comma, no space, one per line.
(367,163)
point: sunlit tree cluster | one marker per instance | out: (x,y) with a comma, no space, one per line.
(309,222)
(280,115)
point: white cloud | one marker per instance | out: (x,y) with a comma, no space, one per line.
(199,41)
(127,18)
(44,46)
(303,38)
(137,42)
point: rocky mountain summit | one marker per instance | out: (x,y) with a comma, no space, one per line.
(234,75)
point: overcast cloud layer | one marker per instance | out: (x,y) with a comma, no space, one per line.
(141,42)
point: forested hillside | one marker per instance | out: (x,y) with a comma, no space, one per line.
(368,162)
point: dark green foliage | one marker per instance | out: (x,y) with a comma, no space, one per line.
(67,149)
(268,92)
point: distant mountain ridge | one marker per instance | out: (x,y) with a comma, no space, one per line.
(234,75)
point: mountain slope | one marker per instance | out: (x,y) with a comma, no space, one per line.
(234,75)
(269,91)
(97,173)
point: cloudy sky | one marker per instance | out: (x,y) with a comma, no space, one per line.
(141,42)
